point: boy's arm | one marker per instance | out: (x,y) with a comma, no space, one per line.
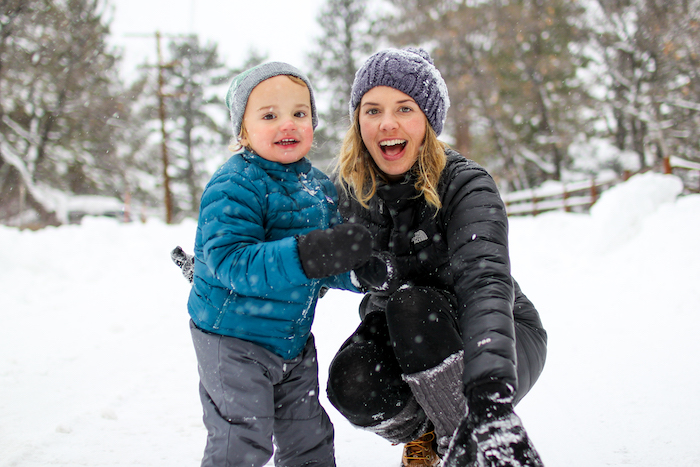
(379,274)
(232,238)
(236,253)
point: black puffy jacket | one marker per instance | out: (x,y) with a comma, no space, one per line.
(463,249)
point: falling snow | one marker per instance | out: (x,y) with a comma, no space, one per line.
(97,366)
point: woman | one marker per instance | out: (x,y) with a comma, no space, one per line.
(457,333)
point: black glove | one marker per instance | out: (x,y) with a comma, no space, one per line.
(184,262)
(328,252)
(379,274)
(491,434)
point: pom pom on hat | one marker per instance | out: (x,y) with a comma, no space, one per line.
(243,84)
(410,71)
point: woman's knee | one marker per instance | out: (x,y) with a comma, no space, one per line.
(422,327)
(365,380)
(421,305)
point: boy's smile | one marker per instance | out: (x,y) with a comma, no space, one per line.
(277,120)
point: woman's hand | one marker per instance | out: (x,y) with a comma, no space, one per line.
(491,434)
(379,274)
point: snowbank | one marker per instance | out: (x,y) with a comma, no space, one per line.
(97,367)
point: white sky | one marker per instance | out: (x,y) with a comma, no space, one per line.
(283,29)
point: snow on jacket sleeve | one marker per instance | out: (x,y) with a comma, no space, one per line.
(477,238)
(234,244)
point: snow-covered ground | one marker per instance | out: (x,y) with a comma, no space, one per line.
(97,367)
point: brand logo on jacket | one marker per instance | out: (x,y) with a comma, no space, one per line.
(419,237)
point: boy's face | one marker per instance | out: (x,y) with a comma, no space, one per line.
(277,120)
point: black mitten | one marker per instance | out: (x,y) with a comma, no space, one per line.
(184,262)
(462,449)
(328,252)
(491,434)
(379,274)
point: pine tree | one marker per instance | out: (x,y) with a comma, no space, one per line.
(61,101)
(197,126)
(348,37)
(650,51)
(510,66)
(201,131)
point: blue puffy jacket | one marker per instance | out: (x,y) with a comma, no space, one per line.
(248,279)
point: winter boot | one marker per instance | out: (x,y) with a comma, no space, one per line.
(438,390)
(403,427)
(420,452)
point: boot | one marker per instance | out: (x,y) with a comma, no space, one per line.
(403,427)
(420,452)
(438,390)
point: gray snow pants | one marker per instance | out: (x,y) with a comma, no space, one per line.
(251,395)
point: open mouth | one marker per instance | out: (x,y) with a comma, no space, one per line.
(287,142)
(392,147)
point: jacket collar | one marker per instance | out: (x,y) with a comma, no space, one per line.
(394,192)
(281,171)
(398,196)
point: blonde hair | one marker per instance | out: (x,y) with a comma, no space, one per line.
(235,143)
(357,170)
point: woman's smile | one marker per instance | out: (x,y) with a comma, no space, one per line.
(393,148)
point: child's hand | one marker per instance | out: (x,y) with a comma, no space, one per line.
(379,274)
(184,262)
(327,252)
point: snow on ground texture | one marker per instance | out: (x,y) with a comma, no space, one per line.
(97,367)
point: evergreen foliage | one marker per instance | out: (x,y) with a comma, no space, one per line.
(196,113)
(348,38)
(650,53)
(60,106)
(537,87)
(197,125)
(511,68)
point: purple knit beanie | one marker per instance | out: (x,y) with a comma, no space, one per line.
(410,71)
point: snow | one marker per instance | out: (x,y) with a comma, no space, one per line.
(97,367)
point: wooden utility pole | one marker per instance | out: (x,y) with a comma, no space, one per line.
(167,194)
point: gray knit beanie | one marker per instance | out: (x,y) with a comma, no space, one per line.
(410,71)
(243,84)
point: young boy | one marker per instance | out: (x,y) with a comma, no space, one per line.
(268,239)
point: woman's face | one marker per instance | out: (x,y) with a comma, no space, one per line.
(393,129)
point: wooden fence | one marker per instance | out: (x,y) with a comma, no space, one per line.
(578,196)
